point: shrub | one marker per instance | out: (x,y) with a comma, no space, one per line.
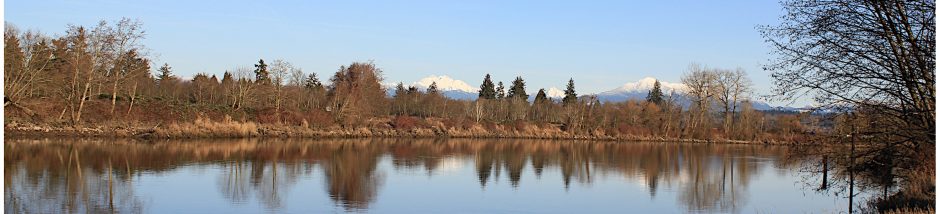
(489,126)
(519,125)
(460,123)
(404,122)
(202,127)
(266,116)
(318,118)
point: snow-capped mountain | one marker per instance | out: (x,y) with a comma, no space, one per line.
(638,90)
(449,87)
(552,93)
(444,83)
(457,89)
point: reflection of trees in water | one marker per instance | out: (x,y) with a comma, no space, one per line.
(260,173)
(233,183)
(64,180)
(350,174)
(706,177)
(714,183)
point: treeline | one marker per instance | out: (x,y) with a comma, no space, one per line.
(104,73)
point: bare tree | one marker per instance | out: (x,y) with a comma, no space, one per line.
(242,87)
(124,38)
(133,68)
(280,70)
(357,93)
(876,56)
(731,88)
(29,56)
(701,89)
(296,77)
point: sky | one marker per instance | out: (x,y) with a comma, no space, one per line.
(601,44)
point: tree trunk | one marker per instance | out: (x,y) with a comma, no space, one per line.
(113,97)
(81,103)
(133,96)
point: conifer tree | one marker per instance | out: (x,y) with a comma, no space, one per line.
(261,73)
(166,74)
(570,95)
(517,90)
(432,89)
(541,97)
(486,89)
(655,95)
(400,90)
(312,82)
(500,91)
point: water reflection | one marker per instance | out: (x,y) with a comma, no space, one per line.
(49,176)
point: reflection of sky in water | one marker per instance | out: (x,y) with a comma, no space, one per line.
(455,188)
(458,177)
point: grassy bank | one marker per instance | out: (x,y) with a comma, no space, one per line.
(391,127)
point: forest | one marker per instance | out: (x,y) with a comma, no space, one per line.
(102,77)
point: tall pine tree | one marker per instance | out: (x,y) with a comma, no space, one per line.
(487,90)
(165,75)
(500,91)
(541,97)
(570,95)
(432,89)
(312,82)
(517,90)
(400,90)
(655,95)
(261,73)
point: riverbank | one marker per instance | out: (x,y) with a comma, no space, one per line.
(201,129)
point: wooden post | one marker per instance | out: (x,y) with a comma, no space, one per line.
(852,165)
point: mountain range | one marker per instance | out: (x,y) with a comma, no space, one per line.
(458,89)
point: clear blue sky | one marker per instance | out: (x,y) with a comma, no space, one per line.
(602,45)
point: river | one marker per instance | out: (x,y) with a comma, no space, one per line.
(404,176)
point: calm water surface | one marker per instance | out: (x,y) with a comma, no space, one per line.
(403,176)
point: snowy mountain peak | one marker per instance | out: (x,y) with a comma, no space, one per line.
(445,83)
(645,84)
(554,93)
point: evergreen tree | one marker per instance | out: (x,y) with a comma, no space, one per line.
(433,88)
(517,90)
(412,90)
(227,80)
(261,73)
(312,82)
(541,97)
(486,89)
(400,90)
(500,91)
(13,53)
(166,74)
(570,95)
(655,95)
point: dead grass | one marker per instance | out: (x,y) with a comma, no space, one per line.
(203,128)
(910,211)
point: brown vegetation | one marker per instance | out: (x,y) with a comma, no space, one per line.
(876,61)
(76,82)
